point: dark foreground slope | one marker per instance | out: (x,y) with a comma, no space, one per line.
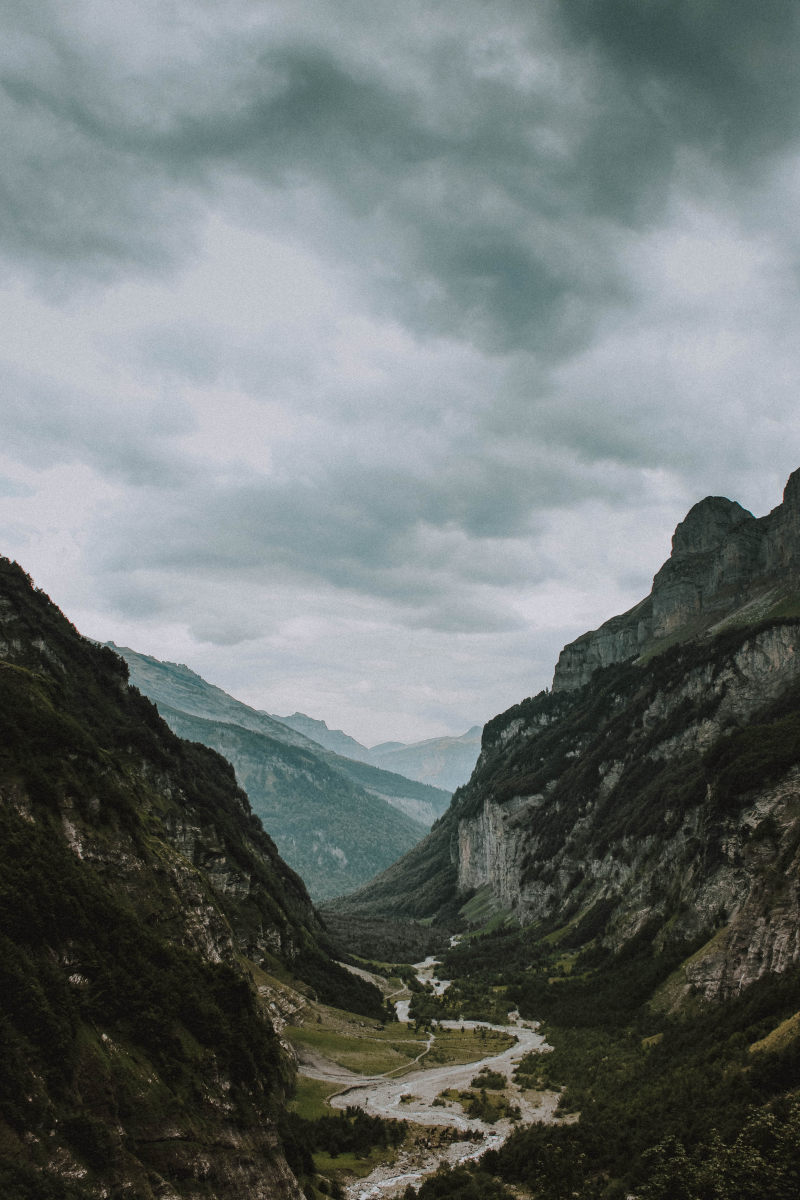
(143,911)
(336,821)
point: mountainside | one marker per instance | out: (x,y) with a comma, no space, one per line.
(334,833)
(446,762)
(143,916)
(648,796)
(726,567)
(332,739)
(336,821)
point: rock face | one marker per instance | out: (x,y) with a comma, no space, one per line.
(649,795)
(142,910)
(632,809)
(725,566)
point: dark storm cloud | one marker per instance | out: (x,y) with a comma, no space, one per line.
(721,73)
(484,196)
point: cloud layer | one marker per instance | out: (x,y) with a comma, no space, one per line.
(360,357)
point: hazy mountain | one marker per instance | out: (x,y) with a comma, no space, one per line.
(143,911)
(446,762)
(331,739)
(336,821)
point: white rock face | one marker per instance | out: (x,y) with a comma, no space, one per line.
(735,871)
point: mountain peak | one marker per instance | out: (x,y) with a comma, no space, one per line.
(726,567)
(707,524)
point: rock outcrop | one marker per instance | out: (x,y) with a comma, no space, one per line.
(725,566)
(143,913)
(649,794)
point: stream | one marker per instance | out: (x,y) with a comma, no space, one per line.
(412,1098)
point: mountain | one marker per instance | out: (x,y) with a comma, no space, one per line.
(147,929)
(446,762)
(332,739)
(336,821)
(654,793)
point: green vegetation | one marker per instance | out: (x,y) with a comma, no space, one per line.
(297,793)
(662,1099)
(139,898)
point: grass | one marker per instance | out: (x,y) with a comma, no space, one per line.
(375,1053)
(355,1164)
(394,1049)
(781,1037)
(453,1046)
(311,1097)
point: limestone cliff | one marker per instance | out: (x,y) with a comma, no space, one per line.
(726,566)
(650,795)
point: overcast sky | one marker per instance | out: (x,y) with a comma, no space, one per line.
(359,355)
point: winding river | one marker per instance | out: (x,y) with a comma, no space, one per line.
(412,1098)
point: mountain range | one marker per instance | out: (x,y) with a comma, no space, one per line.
(443,762)
(654,792)
(335,820)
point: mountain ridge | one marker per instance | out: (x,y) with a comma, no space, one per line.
(337,821)
(650,794)
(144,918)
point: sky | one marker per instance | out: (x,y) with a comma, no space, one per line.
(360,355)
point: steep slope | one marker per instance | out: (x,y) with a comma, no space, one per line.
(333,832)
(446,762)
(726,567)
(660,798)
(143,912)
(336,821)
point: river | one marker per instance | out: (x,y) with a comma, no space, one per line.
(412,1098)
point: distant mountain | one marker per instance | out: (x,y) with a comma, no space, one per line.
(332,739)
(445,762)
(336,821)
(144,917)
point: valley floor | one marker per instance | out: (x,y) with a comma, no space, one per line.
(428,1097)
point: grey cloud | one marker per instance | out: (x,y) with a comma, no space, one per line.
(488,201)
(47,422)
(722,73)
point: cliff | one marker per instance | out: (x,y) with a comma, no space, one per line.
(726,567)
(651,795)
(144,914)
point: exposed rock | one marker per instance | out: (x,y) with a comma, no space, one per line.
(725,565)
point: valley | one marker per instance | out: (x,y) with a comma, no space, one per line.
(594,952)
(440,1082)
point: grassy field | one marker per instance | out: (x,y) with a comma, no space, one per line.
(369,1052)
(311,1097)
(453,1046)
(394,1049)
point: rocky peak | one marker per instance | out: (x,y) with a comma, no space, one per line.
(707,525)
(726,567)
(791,493)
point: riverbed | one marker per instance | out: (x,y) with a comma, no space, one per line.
(412,1098)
